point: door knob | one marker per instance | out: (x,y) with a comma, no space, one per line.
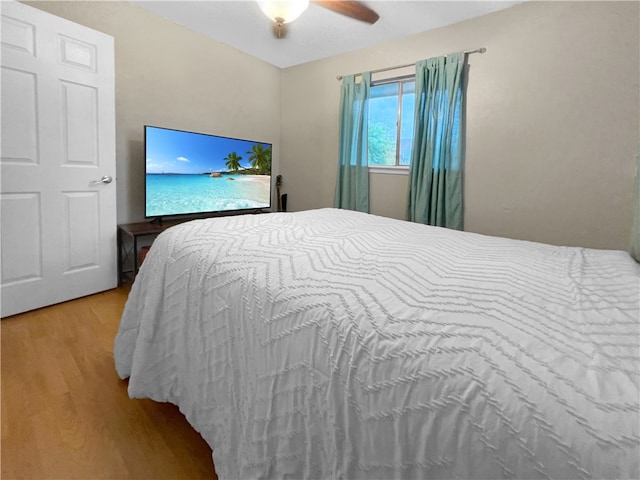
(104,179)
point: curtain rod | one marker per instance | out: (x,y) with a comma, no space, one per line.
(466,52)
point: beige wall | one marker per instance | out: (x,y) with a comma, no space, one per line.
(552,112)
(553,116)
(172,77)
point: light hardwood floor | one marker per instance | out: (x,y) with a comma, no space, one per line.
(67,415)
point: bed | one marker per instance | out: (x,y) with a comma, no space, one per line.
(331,344)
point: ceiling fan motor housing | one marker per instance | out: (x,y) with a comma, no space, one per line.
(279,29)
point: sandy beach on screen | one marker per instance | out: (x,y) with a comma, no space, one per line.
(266,179)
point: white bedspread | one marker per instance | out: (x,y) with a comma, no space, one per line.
(335,344)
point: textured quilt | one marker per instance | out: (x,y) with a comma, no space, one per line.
(331,344)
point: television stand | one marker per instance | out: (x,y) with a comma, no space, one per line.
(129,251)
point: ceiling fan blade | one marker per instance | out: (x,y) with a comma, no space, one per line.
(350,8)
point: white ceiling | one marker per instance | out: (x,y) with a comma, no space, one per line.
(318,33)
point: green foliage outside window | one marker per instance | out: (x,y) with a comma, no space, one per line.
(387,116)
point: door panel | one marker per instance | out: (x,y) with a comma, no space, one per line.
(19,136)
(21,248)
(58,232)
(82,231)
(80,124)
(18,35)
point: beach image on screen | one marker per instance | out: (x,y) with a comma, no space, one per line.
(195,173)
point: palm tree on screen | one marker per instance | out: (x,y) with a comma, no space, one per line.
(233,161)
(260,159)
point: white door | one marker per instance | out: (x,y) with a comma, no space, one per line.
(58,219)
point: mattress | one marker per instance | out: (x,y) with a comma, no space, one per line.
(336,344)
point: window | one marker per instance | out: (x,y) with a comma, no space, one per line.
(391,109)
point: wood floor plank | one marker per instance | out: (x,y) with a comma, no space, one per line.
(67,415)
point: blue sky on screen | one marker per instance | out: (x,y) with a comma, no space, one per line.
(174,151)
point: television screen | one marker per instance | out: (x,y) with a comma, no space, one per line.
(190,173)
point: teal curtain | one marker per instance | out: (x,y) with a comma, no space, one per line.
(435,174)
(635,229)
(352,187)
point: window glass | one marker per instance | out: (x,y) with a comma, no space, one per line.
(383,117)
(391,108)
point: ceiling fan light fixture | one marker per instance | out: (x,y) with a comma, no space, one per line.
(283,11)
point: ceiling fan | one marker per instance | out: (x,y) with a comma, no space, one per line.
(285,11)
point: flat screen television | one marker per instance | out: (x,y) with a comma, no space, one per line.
(189,173)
